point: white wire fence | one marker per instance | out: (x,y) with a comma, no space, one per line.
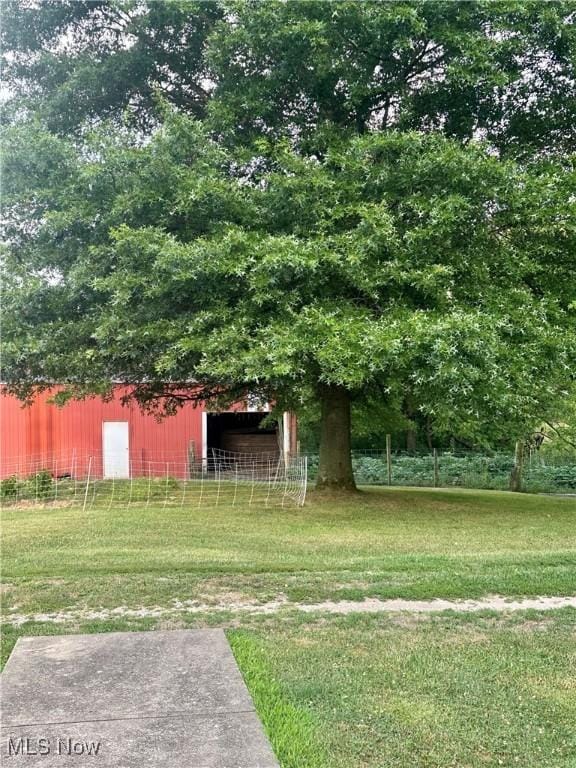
(82,479)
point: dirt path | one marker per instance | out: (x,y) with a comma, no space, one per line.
(368,605)
(493,603)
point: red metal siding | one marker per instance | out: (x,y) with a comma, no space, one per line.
(64,438)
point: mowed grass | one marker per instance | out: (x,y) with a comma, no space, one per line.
(383,543)
(375,692)
(358,691)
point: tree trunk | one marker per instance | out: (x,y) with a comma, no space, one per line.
(335,468)
(411,441)
(429,436)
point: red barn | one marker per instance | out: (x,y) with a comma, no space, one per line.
(109,439)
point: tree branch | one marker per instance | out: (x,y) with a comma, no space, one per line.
(559,434)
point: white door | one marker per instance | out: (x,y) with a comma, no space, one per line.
(115,449)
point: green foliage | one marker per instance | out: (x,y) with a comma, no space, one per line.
(560,431)
(312,70)
(285,197)
(318,70)
(467,471)
(9,487)
(401,264)
(118,56)
(39,485)
(551,478)
(472,471)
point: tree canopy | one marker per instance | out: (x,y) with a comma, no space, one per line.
(328,202)
(504,70)
(400,263)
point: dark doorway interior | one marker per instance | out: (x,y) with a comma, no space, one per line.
(241,433)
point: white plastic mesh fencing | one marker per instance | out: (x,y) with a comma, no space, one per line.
(224,478)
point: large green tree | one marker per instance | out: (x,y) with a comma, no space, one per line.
(333,230)
(401,265)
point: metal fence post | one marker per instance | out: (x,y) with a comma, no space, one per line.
(191,457)
(389,458)
(87,484)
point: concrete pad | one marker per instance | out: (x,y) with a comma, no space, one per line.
(141,699)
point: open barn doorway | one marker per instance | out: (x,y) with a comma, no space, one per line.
(241,432)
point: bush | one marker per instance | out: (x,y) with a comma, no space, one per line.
(10,487)
(40,485)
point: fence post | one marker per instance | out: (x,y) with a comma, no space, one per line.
(131,473)
(253,482)
(516,474)
(235,483)
(218,469)
(191,457)
(166,486)
(389,458)
(87,484)
(270,479)
(436,469)
(303,501)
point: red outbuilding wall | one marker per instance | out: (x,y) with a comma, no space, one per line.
(69,439)
(62,439)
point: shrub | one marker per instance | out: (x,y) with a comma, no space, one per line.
(10,487)
(40,485)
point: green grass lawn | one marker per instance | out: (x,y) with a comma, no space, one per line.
(384,543)
(444,691)
(435,692)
